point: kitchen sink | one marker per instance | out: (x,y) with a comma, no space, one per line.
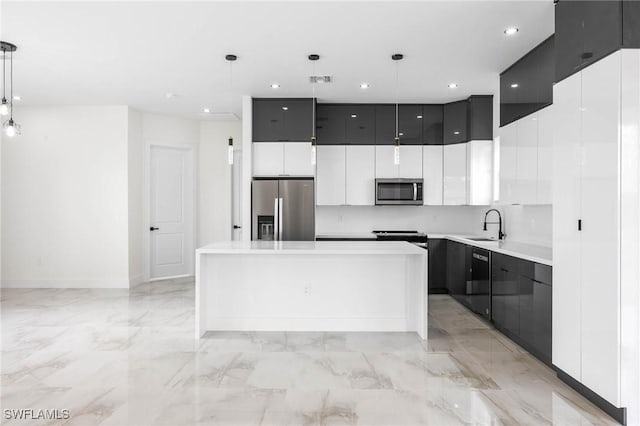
(481,239)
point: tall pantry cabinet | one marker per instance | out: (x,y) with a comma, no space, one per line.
(596,235)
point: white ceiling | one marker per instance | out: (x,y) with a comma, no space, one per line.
(135,52)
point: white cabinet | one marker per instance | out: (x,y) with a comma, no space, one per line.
(282,159)
(360,175)
(432,158)
(455,174)
(566,237)
(480,172)
(410,162)
(385,168)
(508,158)
(545,154)
(527,159)
(595,226)
(268,159)
(297,159)
(600,212)
(330,175)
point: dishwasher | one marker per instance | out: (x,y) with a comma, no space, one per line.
(479,287)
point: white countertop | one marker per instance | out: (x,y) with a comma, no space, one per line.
(531,252)
(534,253)
(311,247)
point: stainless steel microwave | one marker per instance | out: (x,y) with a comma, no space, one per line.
(399,192)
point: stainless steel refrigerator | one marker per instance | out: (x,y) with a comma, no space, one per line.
(283,209)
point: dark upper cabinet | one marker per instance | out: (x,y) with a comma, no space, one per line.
(410,124)
(282,120)
(480,117)
(385,124)
(527,85)
(360,124)
(331,124)
(437,265)
(432,122)
(345,124)
(631,24)
(455,122)
(586,31)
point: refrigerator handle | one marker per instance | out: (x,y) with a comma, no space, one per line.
(415,192)
(280,218)
(275,218)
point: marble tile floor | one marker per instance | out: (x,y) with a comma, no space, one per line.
(120,357)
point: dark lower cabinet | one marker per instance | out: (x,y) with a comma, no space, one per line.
(521,303)
(437,266)
(457,270)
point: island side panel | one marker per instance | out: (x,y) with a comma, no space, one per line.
(304,292)
(417,293)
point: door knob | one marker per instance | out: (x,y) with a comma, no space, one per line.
(153,229)
(237,226)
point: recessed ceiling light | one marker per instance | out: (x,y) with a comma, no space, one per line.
(285,108)
(206,110)
(364,85)
(353,115)
(275,86)
(453,85)
(400,134)
(514,85)
(511,30)
(456,132)
(418,116)
(17,98)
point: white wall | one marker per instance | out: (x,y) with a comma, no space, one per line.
(429,219)
(214,210)
(135,179)
(64,198)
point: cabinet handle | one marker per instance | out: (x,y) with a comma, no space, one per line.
(579,224)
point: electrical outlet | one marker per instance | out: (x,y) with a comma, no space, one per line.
(307,290)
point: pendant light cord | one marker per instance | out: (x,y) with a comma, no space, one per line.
(397,96)
(313,100)
(11,87)
(4,78)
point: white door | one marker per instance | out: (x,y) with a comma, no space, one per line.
(527,159)
(171,210)
(236,197)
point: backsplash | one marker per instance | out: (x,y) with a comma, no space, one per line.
(525,224)
(429,219)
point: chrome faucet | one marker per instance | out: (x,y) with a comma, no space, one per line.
(499,223)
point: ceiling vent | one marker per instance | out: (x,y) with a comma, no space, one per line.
(320,79)
(219,116)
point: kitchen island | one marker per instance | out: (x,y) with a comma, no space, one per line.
(311,286)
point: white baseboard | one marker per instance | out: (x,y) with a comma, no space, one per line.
(116,283)
(137,280)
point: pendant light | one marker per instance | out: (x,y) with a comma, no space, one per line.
(11,128)
(396,141)
(230,150)
(4,107)
(313,58)
(231,59)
